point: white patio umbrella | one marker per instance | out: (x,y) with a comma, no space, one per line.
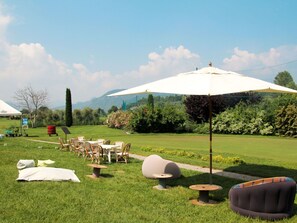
(207,81)
(7,110)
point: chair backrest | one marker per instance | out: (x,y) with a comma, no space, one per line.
(120,144)
(101,141)
(106,142)
(88,148)
(72,143)
(61,142)
(81,138)
(127,148)
(94,147)
(100,150)
(77,143)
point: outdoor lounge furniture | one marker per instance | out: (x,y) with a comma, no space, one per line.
(162,180)
(96,170)
(154,164)
(97,153)
(28,172)
(204,189)
(77,147)
(63,146)
(267,198)
(124,153)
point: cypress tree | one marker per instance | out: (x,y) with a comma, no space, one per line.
(150,102)
(68,109)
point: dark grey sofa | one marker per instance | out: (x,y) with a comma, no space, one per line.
(267,198)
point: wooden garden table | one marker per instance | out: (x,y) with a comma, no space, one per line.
(204,189)
(96,170)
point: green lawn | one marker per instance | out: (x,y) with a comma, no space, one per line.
(124,195)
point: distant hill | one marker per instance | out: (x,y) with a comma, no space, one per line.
(105,102)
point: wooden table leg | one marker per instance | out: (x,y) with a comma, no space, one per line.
(96,172)
(203,196)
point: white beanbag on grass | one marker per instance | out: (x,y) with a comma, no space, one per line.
(23,164)
(47,174)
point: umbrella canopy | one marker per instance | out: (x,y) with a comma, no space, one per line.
(7,110)
(208,81)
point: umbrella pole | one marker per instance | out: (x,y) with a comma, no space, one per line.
(210,139)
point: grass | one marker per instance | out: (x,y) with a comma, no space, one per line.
(124,195)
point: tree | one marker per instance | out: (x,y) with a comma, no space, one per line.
(31,100)
(112,109)
(150,102)
(68,109)
(197,106)
(286,121)
(285,79)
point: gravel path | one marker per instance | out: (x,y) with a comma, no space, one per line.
(238,176)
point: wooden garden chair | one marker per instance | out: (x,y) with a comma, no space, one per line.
(63,146)
(124,154)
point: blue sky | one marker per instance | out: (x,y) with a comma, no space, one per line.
(93,46)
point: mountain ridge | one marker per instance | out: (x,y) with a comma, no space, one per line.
(106,102)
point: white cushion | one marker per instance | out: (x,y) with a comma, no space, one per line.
(22,164)
(48,174)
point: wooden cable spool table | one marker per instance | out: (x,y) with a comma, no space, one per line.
(162,180)
(96,170)
(204,189)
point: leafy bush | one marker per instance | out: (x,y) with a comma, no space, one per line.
(243,119)
(171,152)
(217,159)
(119,119)
(286,121)
(169,118)
(221,159)
(202,128)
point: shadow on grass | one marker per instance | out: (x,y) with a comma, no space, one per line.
(220,195)
(263,170)
(106,175)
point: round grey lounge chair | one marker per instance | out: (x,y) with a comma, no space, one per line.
(154,164)
(267,198)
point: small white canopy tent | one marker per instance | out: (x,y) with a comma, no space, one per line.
(7,110)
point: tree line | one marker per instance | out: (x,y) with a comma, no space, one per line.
(241,113)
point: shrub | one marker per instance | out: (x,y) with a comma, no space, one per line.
(169,118)
(286,121)
(221,159)
(243,119)
(171,152)
(119,119)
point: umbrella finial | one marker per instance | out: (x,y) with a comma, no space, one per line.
(210,64)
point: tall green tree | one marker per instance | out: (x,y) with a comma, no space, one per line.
(68,109)
(285,79)
(150,102)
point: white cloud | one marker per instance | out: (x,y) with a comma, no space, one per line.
(264,64)
(30,64)
(171,61)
